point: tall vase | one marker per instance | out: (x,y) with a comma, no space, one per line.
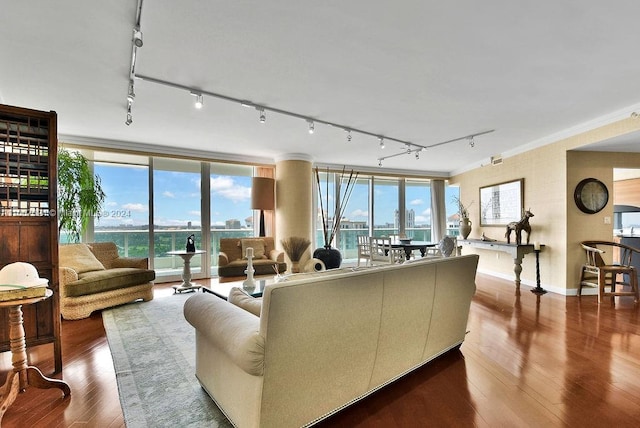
(465,227)
(331,257)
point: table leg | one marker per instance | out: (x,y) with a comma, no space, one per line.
(9,392)
(22,375)
(517,268)
(186,285)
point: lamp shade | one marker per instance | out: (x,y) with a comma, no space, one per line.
(262,193)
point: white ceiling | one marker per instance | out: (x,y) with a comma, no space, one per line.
(421,71)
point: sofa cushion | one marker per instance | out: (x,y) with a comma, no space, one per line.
(79,258)
(107,280)
(238,297)
(256,244)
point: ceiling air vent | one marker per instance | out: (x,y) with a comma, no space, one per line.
(496,160)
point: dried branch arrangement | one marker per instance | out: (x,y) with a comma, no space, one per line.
(344,187)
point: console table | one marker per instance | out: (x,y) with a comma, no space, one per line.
(514,250)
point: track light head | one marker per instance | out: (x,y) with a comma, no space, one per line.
(131,95)
(471,142)
(380,163)
(418,155)
(381,142)
(129,120)
(348,135)
(199,100)
(263,116)
(311,126)
(137,37)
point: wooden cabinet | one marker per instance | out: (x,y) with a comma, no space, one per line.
(28,221)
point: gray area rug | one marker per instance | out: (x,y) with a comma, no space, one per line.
(153,349)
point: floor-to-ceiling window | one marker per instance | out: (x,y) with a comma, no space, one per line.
(386,206)
(230,206)
(417,219)
(355,219)
(125,215)
(176,213)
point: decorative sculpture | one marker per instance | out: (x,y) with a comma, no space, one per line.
(518,227)
(191,244)
(249,282)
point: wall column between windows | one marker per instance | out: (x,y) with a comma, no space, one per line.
(438,211)
(294,200)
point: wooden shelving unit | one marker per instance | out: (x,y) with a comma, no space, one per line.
(28,221)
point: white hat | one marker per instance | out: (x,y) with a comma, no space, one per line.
(20,273)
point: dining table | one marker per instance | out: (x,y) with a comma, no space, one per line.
(409,246)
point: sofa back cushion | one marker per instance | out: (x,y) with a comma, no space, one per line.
(233,247)
(257,245)
(79,258)
(106,252)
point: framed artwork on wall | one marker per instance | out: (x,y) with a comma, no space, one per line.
(501,203)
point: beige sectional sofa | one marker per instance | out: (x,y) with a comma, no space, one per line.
(324,340)
(232,259)
(93,276)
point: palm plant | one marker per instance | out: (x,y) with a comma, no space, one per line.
(80,194)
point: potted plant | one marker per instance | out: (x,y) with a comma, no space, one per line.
(80,194)
(463,212)
(295,247)
(344,186)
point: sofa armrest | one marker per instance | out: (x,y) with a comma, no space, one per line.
(67,275)
(223,259)
(277,256)
(229,328)
(131,262)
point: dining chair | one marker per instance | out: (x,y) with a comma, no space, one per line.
(364,249)
(382,251)
(606,277)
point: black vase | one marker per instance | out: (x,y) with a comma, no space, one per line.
(331,257)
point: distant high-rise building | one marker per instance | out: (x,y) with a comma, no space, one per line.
(409,219)
(232,224)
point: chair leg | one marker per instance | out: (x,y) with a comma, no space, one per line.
(601,283)
(633,281)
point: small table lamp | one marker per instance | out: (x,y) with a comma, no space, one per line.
(262,197)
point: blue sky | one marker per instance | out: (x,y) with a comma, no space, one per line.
(177,198)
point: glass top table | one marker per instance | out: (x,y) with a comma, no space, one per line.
(222,288)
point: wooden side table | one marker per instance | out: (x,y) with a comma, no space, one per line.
(23,375)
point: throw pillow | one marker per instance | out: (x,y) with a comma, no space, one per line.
(256,244)
(446,246)
(79,258)
(241,299)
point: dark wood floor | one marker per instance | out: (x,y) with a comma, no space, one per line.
(527,362)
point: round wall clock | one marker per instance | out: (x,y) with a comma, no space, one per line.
(591,195)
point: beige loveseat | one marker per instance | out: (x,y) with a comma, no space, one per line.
(93,276)
(323,341)
(232,260)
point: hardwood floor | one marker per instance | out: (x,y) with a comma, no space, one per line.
(526,362)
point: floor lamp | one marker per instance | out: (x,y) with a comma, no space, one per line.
(262,197)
